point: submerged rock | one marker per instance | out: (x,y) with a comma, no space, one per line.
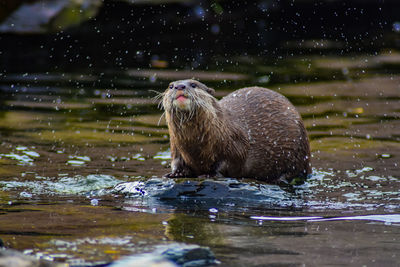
(170,256)
(9,257)
(190,255)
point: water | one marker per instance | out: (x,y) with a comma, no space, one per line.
(82,156)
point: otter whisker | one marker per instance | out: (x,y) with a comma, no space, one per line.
(158,98)
(158,94)
(191,114)
(177,116)
(160,105)
(159,120)
(181,119)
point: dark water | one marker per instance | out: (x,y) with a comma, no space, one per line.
(75,148)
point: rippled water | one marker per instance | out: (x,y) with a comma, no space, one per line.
(82,156)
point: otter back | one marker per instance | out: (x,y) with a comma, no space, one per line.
(279,147)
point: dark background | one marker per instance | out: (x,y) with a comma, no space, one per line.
(190,34)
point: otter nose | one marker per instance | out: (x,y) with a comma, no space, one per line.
(180,87)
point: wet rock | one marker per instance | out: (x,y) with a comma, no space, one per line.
(224,191)
(14,258)
(49,15)
(190,255)
(170,256)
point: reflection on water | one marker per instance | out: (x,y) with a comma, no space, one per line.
(81,158)
(386,218)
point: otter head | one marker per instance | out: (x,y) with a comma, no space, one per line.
(187,96)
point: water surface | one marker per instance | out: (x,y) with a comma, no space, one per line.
(82,156)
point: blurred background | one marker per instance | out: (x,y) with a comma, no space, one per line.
(58,35)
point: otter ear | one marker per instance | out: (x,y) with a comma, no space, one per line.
(210,91)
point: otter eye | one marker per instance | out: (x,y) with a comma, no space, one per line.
(171,86)
(193,85)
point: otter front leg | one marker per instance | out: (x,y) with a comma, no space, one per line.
(179,169)
(178,166)
(215,171)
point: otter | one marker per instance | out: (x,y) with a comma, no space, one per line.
(253,132)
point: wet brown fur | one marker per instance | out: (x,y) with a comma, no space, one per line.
(253,132)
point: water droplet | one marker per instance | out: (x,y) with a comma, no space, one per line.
(213,210)
(94,202)
(396,26)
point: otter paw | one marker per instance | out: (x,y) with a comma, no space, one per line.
(209,175)
(176,174)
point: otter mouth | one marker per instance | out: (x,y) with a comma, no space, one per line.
(181,100)
(180,95)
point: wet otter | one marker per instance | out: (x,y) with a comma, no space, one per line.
(251,133)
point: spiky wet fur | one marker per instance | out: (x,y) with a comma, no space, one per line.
(200,100)
(199,135)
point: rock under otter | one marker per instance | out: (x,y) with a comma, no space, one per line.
(253,132)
